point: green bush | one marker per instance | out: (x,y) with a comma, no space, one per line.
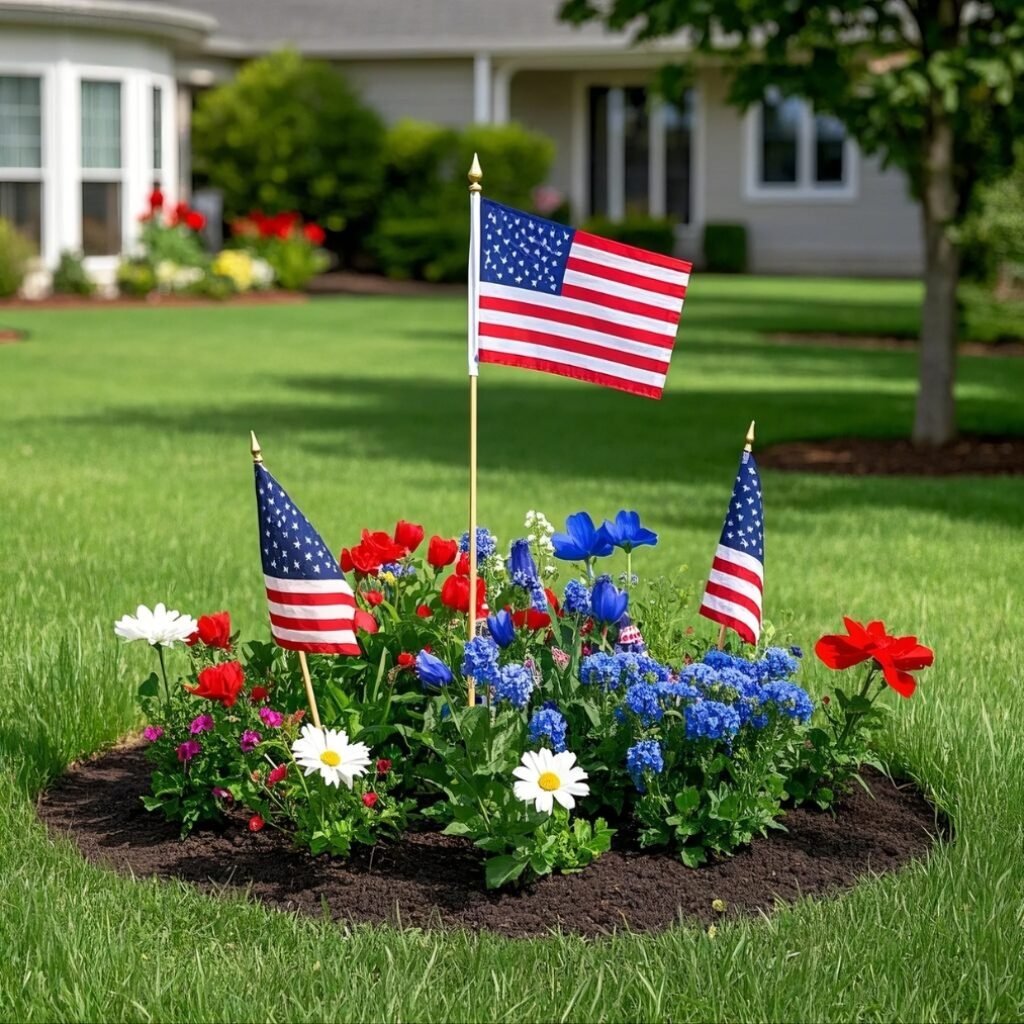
(658,234)
(993,237)
(725,248)
(135,277)
(290,134)
(15,252)
(70,277)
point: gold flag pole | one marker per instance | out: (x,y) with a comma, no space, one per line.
(747,447)
(257,457)
(475,176)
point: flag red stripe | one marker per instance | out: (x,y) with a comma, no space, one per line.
(739,571)
(565,316)
(741,628)
(734,597)
(584,348)
(650,284)
(297,597)
(313,625)
(632,252)
(293,645)
(574,291)
(575,372)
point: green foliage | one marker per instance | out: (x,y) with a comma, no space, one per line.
(655,233)
(166,240)
(725,248)
(289,133)
(993,236)
(135,277)
(15,252)
(295,261)
(70,277)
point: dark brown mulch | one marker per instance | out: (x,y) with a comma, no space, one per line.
(890,343)
(969,455)
(427,879)
(154,301)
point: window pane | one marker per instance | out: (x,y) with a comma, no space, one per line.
(158,128)
(20,122)
(780,126)
(636,151)
(598,150)
(101,125)
(678,120)
(829,142)
(21,203)
(101,218)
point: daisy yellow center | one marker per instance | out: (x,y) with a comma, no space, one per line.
(331,757)
(549,781)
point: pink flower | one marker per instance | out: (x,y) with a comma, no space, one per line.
(370,799)
(276,775)
(204,723)
(188,750)
(221,793)
(271,718)
(559,657)
(152,733)
(250,740)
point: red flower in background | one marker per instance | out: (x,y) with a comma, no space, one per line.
(315,234)
(533,619)
(455,595)
(195,220)
(424,611)
(220,682)
(408,535)
(370,799)
(405,660)
(384,764)
(214,631)
(373,597)
(462,565)
(256,823)
(156,200)
(441,552)
(259,694)
(896,656)
(365,621)
(276,775)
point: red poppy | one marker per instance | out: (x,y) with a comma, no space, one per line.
(214,631)
(408,535)
(256,823)
(405,660)
(441,552)
(259,693)
(896,656)
(370,799)
(455,595)
(365,621)
(424,611)
(220,682)
(383,765)
(276,775)
(314,234)
(373,597)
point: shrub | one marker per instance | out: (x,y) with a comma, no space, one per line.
(15,252)
(993,236)
(70,277)
(288,247)
(290,134)
(725,248)
(654,233)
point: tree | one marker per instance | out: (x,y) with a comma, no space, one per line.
(933,86)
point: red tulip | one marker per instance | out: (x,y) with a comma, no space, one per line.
(441,552)
(156,200)
(455,595)
(381,547)
(195,221)
(220,682)
(531,619)
(462,565)
(345,560)
(408,535)
(896,656)
(365,621)
(315,234)
(214,631)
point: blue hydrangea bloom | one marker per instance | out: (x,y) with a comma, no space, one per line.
(398,569)
(781,665)
(548,725)
(698,674)
(790,699)
(676,691)
(642,700)
(481,659)
(581,540)
(718,659)
(607,603)
(432,671)
(642,668)
(486,545)
(627,533)
(600,669)
(514,684)
(644,756)
(711,720)
(577,598)
(502,628)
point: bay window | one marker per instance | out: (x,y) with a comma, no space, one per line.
(21,154)
(101,168)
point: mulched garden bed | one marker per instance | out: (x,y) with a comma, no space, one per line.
(430,880)
(890,343)
(969,455)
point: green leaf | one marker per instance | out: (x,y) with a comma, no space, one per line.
(687,800)
(150,686)
(693,856)
(500,870)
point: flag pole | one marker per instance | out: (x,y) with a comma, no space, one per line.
(747,447)
(475,176)
(257,458)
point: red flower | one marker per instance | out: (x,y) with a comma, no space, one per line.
(380,547)
(276,775)
(383,765)
(462,565)
(441,552)
(405,660)
(259,694)
(408,535)
(370,799)
(195,221)
(256,823)
(373,597)
(365,621)
(531,618)
(896,656)
(156,200)
(220,682)
(315,234)
(455,595)
(424,611)
(214,631)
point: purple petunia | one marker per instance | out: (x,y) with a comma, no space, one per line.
(250,740)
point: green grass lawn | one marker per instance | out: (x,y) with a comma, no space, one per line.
(126,478)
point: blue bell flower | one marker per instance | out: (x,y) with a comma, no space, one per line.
(627,533)
(502,628)
(607,603)
(582,540)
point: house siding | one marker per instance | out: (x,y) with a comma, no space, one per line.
(425,90)
(543,102)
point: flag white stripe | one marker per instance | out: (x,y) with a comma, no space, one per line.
(555,355)
(741,586)
(324,636)
(307,586)
(583,308)
(312,611)
(735,611)
(740,558)
(622,291)
(631,266)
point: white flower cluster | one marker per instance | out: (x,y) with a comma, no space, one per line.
(173,277)
(540,531)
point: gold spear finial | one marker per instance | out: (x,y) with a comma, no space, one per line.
(475,174)
(749,446)
(254,447)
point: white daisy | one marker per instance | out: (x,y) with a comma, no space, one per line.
(329,752)
(158,627)
(545,777)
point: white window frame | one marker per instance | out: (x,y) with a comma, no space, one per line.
(105,175)
(805,188)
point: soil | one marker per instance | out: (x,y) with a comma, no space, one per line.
(873,342)
(8,336)
(153,300)
(969,455)
(429,880)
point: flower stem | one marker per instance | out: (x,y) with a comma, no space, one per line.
(163,672)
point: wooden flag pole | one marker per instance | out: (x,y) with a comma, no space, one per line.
(747,447)
(257,457)
(475,176)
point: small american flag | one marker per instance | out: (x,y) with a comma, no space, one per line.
(564,301)
(736,581)
(312,607)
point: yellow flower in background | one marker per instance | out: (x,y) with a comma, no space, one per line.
(236,264)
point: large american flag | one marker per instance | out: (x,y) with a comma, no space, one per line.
(564,301)
(736,581)
(311,605)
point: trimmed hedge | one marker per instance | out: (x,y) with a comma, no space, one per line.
(657,234)
(725,248)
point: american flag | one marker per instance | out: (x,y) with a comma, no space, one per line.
(564,301)
(312,607)
(736,581)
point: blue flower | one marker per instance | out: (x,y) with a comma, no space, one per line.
(791,700)
(432,671)
(797,652)
(582,540)
(711,720)
(523,573)
(642,668)
(548,723)
(577,598)
(486,545)
(642,700)
(608,604)
(780,664)
(718,659)
(644,756)
(627,533)
(481,659)
(514,684)
(502,628)
(600,669)
(398,569)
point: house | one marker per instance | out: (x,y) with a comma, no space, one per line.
(95,101)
